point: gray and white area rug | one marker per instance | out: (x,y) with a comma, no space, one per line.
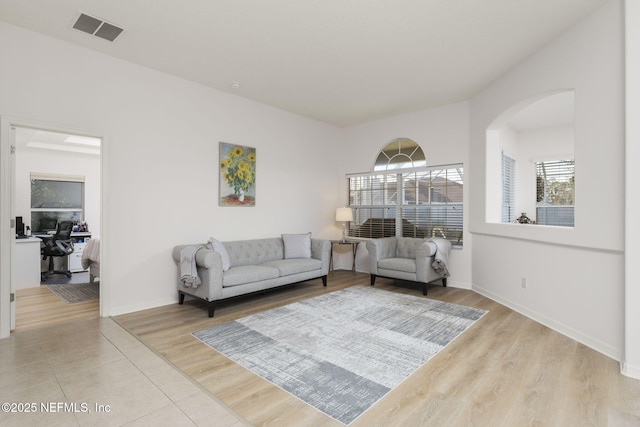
(76,292)
(344,351)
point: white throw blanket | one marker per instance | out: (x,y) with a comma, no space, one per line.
(441,257)
(188,270)
(91,253)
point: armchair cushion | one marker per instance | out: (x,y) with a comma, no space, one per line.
(398,264)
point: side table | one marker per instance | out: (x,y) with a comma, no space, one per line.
(354,249)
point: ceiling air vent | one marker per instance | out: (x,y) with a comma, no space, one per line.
(97,27)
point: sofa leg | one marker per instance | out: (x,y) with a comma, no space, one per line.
(424,289)
(444,282)
(373,279)
(324,280)
(181,297)
(211,309)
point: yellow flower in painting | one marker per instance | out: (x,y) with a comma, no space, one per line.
(224,164)
(243,165)
(251,157)
(236,151)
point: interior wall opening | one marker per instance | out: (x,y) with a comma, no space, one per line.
(531,163)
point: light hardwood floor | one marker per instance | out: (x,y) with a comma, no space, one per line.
(39,307)
(506,370)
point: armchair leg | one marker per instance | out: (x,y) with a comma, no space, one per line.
(211,309)
(444,282)
(324,280)
(373,279)
(181,297)
(424,289)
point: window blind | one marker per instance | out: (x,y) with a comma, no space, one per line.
(508,213)
(425,202)
(555,192)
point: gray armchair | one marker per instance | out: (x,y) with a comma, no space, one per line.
(407,258)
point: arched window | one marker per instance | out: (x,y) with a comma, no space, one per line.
(401,153)
(404,197)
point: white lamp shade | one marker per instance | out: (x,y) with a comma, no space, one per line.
(344,214)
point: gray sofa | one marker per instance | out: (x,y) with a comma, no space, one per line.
(253,265)
(408,258)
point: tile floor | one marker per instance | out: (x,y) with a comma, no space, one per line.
(94,373)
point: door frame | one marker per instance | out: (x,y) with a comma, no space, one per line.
(7,189)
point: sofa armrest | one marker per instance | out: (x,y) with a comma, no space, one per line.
(209,264)
(424,259)
(204,257)
(426,249)
(379,249)
(321,250)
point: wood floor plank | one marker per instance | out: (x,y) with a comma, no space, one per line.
(38,307)
(506,370)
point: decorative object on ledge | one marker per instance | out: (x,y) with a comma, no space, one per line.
(344,215)
(237,175)
(523,219)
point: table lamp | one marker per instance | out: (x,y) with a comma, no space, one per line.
(344,215)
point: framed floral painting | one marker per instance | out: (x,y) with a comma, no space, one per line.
(237,175)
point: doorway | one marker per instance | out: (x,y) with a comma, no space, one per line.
(56,177)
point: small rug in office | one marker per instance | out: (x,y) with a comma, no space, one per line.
(343,351)
(76,292)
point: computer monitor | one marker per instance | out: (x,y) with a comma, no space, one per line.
(19,226)
(44,224)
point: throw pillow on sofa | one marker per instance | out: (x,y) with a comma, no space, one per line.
(217,246)
(297,245)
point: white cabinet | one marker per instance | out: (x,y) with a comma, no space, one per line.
(75,259)
(27,263)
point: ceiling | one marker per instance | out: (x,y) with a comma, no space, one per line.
(341,62)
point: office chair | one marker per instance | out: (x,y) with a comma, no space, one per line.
(59,245)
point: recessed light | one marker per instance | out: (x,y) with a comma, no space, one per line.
(235,85)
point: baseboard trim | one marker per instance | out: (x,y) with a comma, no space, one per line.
(631,371)
(116,311)
(559,327)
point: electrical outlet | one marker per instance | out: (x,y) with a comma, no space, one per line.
(523,283)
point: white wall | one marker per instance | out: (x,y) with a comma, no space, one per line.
(575,280)
(442,133)
(29,160)
(631,360)
(161,142)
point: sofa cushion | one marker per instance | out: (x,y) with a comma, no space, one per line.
(295,265)
(248,274)
(297,245)
(217,246)
(398,264)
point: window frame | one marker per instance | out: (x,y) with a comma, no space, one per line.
(384,195)
(547,211)
(60,213)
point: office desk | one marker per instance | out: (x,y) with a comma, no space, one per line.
(27,265)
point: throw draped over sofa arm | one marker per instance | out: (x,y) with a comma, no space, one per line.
(408,258)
